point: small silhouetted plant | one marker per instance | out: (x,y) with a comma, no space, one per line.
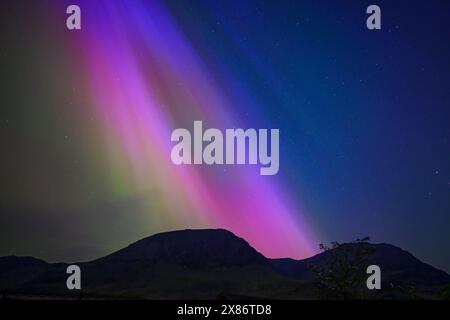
(343,275)
(444,293)
(407,291)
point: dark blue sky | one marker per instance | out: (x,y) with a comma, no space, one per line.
(364,115)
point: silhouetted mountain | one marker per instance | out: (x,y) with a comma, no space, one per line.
(190,248)
(17,271)
(398,267)
(202,264)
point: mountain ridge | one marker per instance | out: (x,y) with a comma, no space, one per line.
(203,264)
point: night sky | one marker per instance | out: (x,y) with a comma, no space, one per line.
(86,117)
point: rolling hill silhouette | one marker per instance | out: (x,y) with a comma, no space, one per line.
(202,264)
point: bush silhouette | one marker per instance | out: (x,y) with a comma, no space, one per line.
(343,275)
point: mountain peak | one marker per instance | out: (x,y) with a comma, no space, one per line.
(191,248)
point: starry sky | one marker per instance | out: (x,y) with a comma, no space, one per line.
(86,117)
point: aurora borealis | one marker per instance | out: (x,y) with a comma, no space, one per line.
(87,116)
